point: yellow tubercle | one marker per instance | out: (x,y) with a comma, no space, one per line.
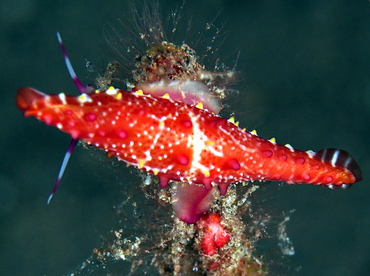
(139,93)
(141,163)
(232,120)
(166,96)
(206,173)
(119,96)
(84,98)
(310,152)
(199,105)
(289,146)
(273,140)
(111,91)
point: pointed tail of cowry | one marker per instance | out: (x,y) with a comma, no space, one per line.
(26,96)
(340,158)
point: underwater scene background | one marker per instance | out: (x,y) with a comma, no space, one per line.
(303,76)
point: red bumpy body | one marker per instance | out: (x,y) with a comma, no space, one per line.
(180,142)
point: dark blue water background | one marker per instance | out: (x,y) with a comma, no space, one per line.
(304,77)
